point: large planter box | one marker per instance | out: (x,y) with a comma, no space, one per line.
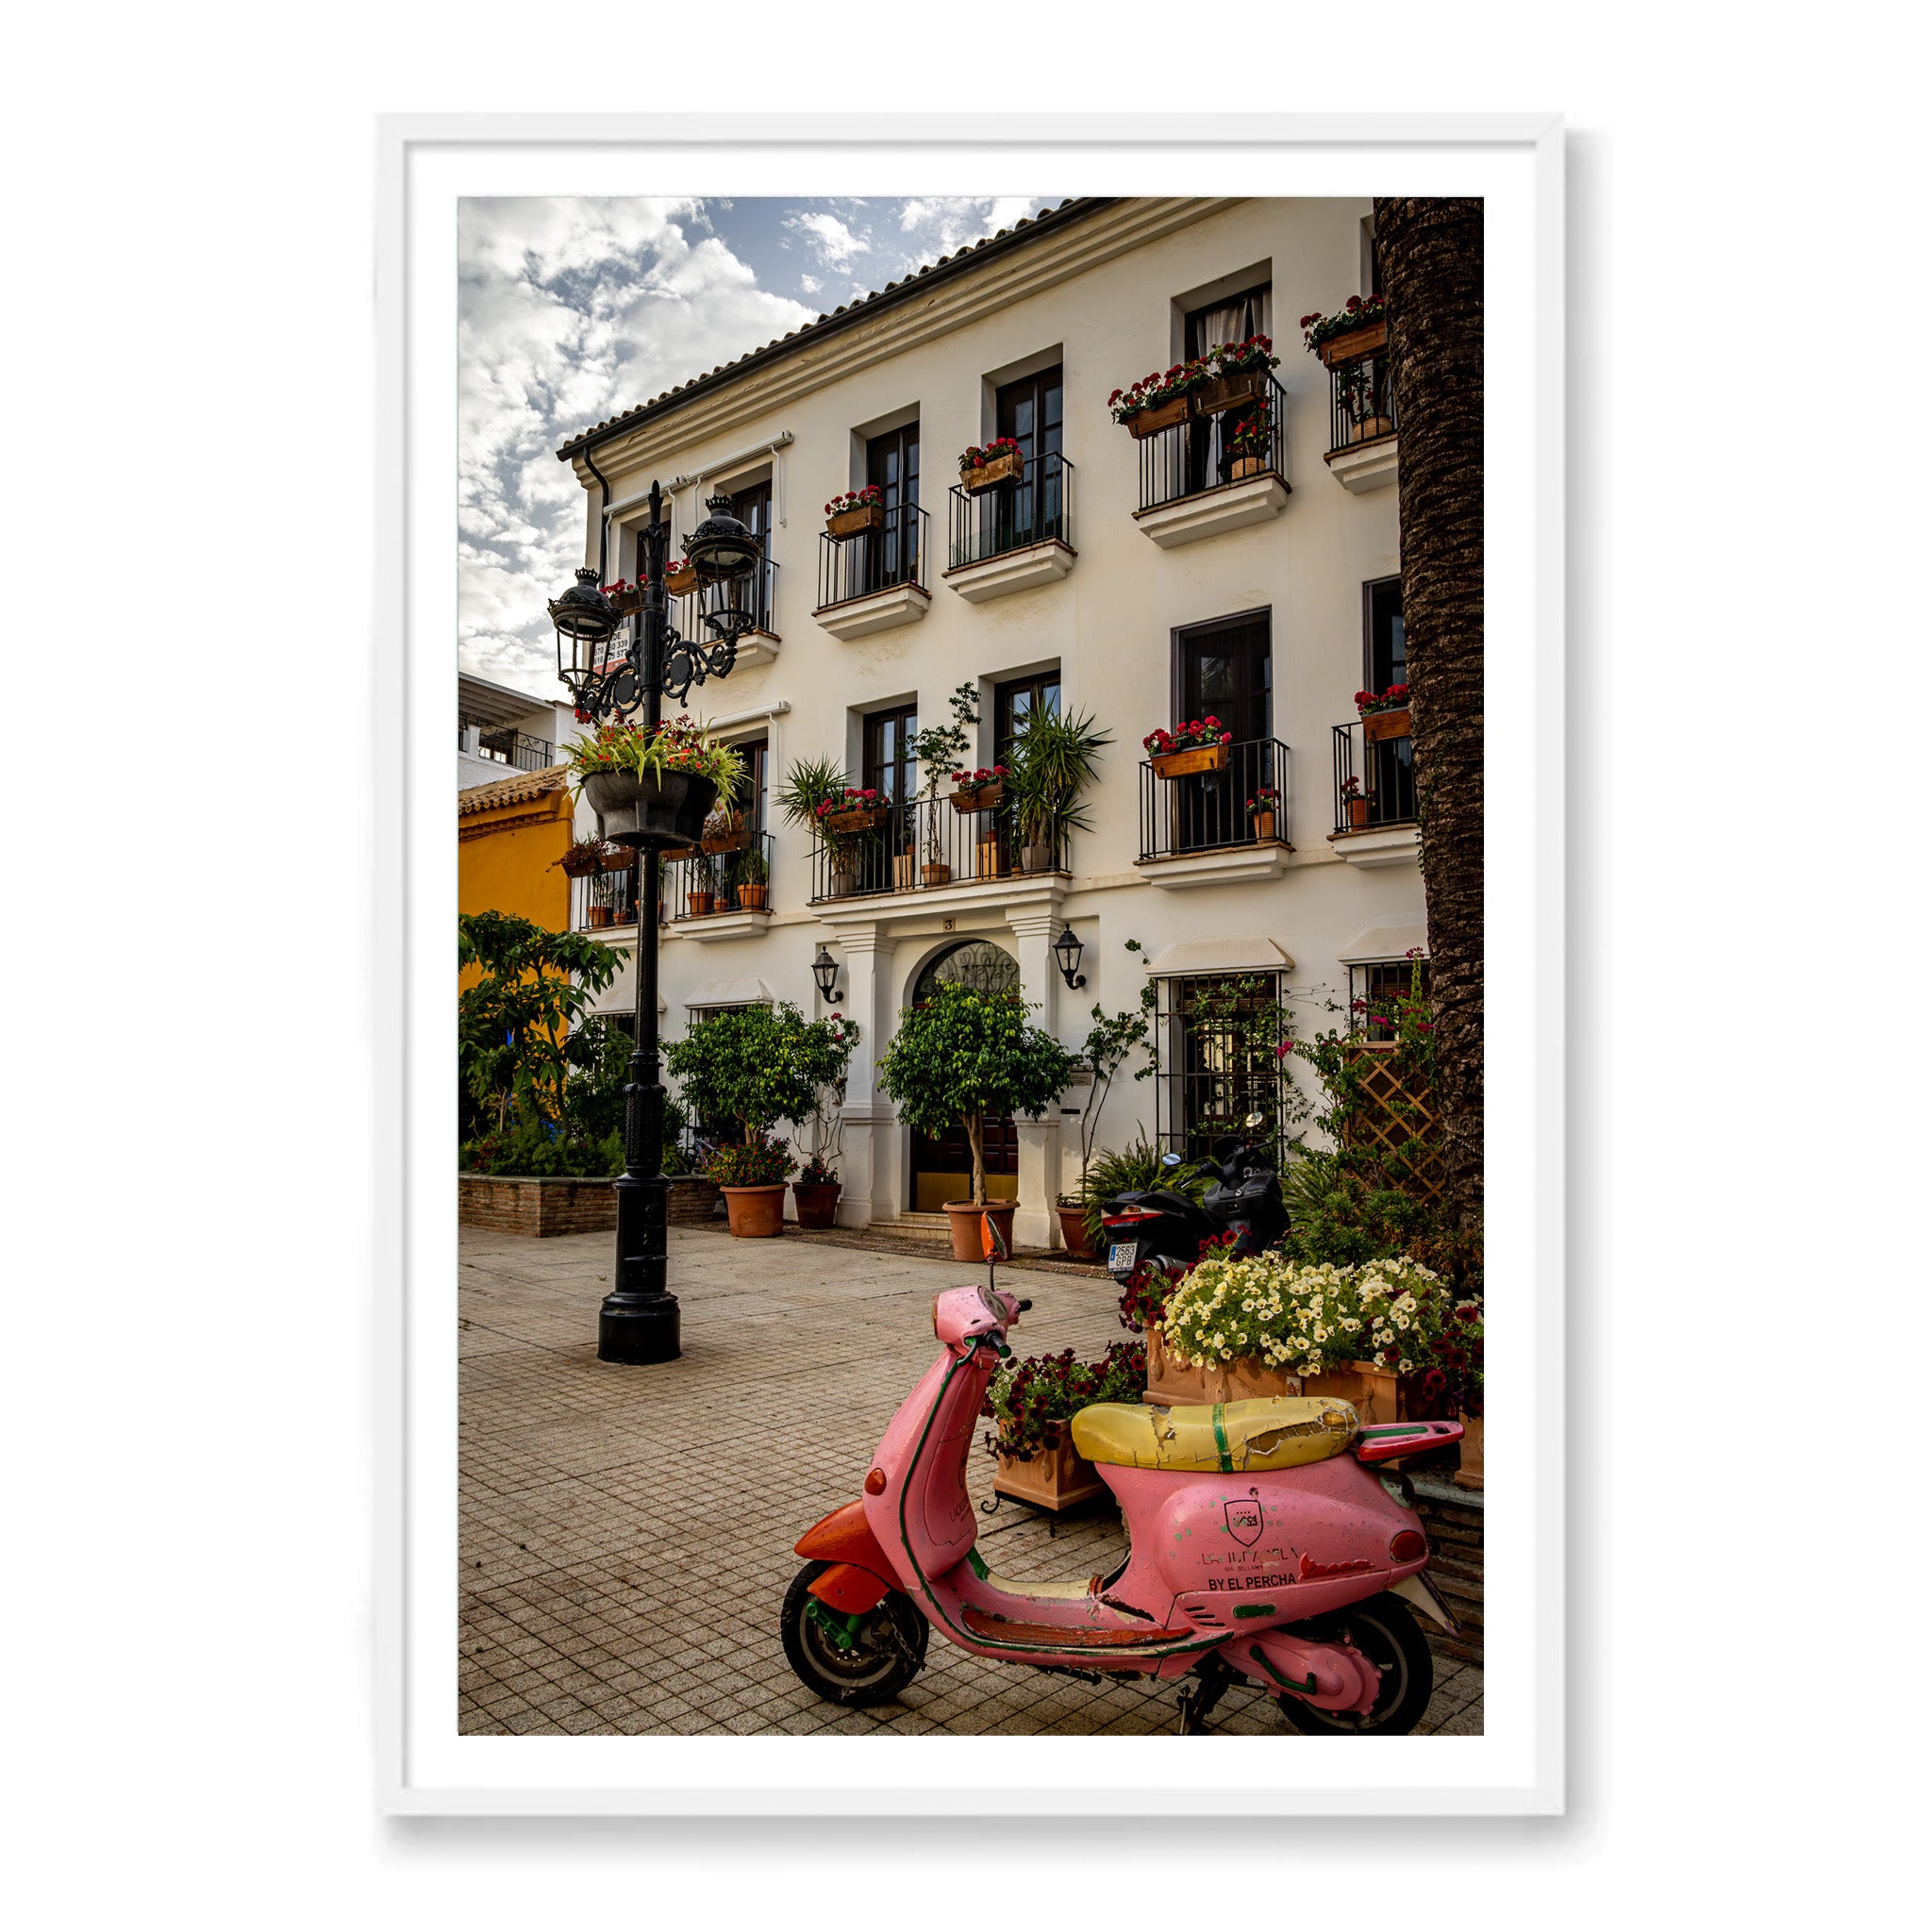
(1180,764)
(818,1203)
(1228,392)
(991,476)
(855,522)
(1162,416)
(1380,1394)
(1055,1478)
(970,799)
(1469,1474)
(1172,1382)
(868,819)
(535,1205)
(1378,728)
(727,841)
(1355,344)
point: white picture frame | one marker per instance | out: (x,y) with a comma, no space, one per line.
(1516,1767)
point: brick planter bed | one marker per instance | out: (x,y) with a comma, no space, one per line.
(538,1205)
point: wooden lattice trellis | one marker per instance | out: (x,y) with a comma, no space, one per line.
(1389,1114)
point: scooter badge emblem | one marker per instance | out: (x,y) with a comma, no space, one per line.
(1244,1519)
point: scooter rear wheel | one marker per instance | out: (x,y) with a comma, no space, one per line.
(880,1657)
(1385,1631)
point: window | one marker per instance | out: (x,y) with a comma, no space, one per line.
(891,464)
(1033,510)
(751,789)
(1224,669)
(889,767)
(752,507)
(1232,319)
(1378,986)
(1217,1036)
(1016,701)
(1388,768)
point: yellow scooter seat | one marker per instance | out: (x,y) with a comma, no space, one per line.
(1273,1432)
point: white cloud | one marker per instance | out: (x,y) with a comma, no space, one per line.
(811,284)
(834,243)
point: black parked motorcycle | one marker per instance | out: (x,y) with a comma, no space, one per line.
(1164,1228)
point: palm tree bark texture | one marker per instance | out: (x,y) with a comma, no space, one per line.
(1430,253)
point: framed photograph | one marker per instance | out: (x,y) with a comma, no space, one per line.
(989,1211)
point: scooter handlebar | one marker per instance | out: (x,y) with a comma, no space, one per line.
(1024,1306)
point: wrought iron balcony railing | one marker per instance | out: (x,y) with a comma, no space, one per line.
(875,560)
(1362,402)
(701,885)
(1198,454)
(1035,506)
(1374,778)
(759,596)
(926,844)
(514,750)
(604,899)
(1242,802)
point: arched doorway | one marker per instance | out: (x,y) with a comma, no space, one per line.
(943,1164)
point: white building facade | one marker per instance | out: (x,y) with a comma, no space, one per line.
(1143,580)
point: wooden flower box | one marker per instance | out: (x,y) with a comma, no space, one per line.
(727,841)
(1228,392)
(991,476)
(680,581)
(855,522)
(904,865)
(619,860)
(1378,728)
(973,798)
(1355,344)
(1469,1474)
(679,852)
(1161,416)
(627,602)
(866,819)
(582,865)
(1357,814)
(1380,1394)
(1055,1478)
(934,872)
(1172,1381)
(1199,758)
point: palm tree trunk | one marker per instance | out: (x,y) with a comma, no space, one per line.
(1431,255)
(976,1139)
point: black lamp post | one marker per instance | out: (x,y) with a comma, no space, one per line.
(638,1321)
(1067,950)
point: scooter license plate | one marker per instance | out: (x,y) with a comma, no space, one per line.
(1121,1256)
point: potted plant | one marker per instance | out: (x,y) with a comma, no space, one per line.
(1250,447)
(653,786)
(1055,759)
(756,1066)
(854,512)
(861,810)
(751,872)
(813,795)
(1262,807)
(585,858)
(959,1056)
(937,748)
(726,830)
(1199,745)
(1355,804)
(1236,373)
(986,466)
(1030,1404)
(751,1177)
(1159,401)
(816,1194)
(1360,327)
(1384,714)
(626,599)
(680,578)
(981,788)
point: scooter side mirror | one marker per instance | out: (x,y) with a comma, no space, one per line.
(1169,1160)
(992,1244)
(1253,1121)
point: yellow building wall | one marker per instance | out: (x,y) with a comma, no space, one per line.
(507,861)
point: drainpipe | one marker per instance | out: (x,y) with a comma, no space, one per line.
(603,516)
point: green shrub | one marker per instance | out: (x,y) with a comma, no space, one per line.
(1135,1166)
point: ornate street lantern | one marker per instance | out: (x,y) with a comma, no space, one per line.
(824,969)
(585,624)
(1067,949)
(721,548)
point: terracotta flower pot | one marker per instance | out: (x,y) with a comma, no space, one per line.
(700,904)
(965,1217)
(755,1212)
(853,523)
(817,1201)
(934,874)
(1058,1477)
(752,898)
(1074,1233)
(1470,1474)
(603,915)
(1380,1396)
(1245,467)
(1371,428)
(1161,416)
(1199,758)
(1263,822)
(1358,813)
(1172,1381)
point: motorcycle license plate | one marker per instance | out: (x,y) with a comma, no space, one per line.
(1121,1256)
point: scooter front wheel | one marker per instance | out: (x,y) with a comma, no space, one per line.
(1385,1631)
(854,1661)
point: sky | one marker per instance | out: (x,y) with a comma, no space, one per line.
(571,310)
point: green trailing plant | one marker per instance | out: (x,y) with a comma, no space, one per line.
(678,745)
(758,1065)
(514,1020)
(964,1054)
(1029,1402)
(758,1162)
(1053,759)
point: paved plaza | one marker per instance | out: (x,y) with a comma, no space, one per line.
(626,1532)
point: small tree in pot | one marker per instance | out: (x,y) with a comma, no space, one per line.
(939,748)
(961,1055)
(1053,759)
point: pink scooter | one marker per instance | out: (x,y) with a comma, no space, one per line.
(1262,1544)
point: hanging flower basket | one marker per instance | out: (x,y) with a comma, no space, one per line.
(648,810)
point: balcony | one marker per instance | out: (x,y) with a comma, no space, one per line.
(875,580)
(1362,410)
(1014,536)
(1374,791)
(723,894)
(504,744)
(604,900)
(929,847)
(758,646)
(1192,484)
(1197,829)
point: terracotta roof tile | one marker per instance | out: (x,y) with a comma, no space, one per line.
(515,789)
